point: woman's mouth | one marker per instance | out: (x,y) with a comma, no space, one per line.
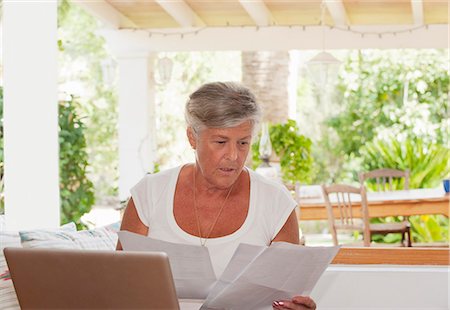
(227,170)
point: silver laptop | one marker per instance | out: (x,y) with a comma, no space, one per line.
(82,279)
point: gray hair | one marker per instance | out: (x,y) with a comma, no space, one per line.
(222,105)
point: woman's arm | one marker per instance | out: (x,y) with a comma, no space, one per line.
(289,231)
(131,222)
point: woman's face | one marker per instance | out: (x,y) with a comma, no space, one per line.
(221,152)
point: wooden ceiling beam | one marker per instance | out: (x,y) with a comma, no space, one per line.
(107,14)
(258,12)
(276,38)
(181,12)
(337,12)
(417,10)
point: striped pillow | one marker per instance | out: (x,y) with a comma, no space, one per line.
(95,239)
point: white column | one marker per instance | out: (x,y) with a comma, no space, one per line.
(136,120)
(30,114)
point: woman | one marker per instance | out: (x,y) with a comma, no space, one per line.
(216,202)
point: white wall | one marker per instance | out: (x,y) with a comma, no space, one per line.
(383,287)
(30,114)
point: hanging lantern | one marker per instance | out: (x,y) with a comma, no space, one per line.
(165,66)
(323,69)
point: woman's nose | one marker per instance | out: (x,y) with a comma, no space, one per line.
(232,152)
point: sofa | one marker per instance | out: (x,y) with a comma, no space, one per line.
(65,237)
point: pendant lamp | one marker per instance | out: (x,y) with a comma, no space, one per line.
(165,66)
(323,68)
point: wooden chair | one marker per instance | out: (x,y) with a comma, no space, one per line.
(347,199)
(384,179)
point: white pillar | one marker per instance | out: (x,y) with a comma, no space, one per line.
(30,114)
(136,120)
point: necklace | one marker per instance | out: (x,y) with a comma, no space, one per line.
(203,240)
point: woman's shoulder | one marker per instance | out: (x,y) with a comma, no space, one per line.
(266,184)
(170,172)
(270,195)
(159,178)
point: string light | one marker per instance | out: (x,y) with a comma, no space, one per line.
(363,34)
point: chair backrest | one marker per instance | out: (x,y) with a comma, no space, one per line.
(341,200)
(384,178)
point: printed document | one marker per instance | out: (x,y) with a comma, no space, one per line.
(256,276)
(191,264)
(253,279)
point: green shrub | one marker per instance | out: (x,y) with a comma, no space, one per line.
(76,190)
(293,149)
(427,162)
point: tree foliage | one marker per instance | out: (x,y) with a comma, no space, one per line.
(395,92)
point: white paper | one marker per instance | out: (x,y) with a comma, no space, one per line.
(280,271)
(253,279)
(242,257)
(191,265)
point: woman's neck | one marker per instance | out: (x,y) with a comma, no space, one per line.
(203,186)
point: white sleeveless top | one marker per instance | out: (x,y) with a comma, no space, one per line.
(270,206)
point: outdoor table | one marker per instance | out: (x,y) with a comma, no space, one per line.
(422,201)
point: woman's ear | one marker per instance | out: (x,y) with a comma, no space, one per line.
(191,137)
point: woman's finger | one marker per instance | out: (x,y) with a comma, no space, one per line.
(305,301)
(297,303)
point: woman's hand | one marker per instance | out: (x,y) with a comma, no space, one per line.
(296,303)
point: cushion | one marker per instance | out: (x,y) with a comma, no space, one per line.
(8,299)
(113,227)
(95,239)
